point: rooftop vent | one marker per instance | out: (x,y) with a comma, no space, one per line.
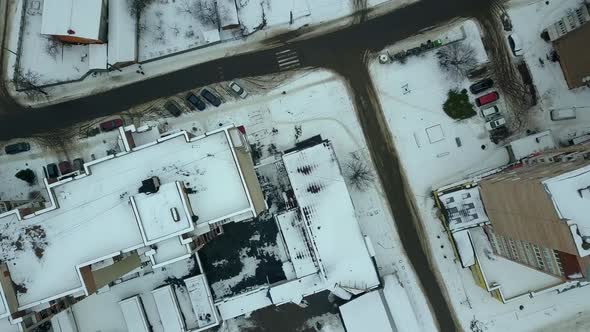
(150,186)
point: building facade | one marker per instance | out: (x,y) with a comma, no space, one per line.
(537,212)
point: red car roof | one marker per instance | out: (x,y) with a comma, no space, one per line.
(488,98)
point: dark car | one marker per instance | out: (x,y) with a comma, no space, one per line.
(195,102)
(488,98)
(172,108)
(65,167)
(210,97)
(78,164)
(111,124)
(481,86)
(17,148)
(52,171)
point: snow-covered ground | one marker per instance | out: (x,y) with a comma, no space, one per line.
(44,60)
(528,22)
(168,27)
(412,95)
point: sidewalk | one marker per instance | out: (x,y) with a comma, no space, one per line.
(104,81)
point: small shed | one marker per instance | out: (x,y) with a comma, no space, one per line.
(228,14)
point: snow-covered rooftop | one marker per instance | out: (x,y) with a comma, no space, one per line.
(300,250)
(94,217)
(201,300)
(122,33)
(168,309)
(570,193)
(464,248)
(76,18)
(528,145)
(464,208)
(367,312)
(325,204)
(135,318)
(156,212)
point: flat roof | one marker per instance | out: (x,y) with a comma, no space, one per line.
(168,309)
(134,315)
(300,251)
(528,145)
(325,204)
(155,213)
(201,301)
(90,224)
(574,52)
(570,194)
(122,33)
(76,18)
(367,312)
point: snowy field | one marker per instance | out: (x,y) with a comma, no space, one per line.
(45,60)
(412,95)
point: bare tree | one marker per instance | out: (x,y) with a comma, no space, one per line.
(358,172)
(457,59)
(52,47)
(136,7)
(28,82)
(204,11)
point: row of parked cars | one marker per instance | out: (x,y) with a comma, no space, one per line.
(489,108)
(64,168)
(195,102)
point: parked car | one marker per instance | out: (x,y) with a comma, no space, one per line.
(111,124)
(17,148)
(563,114)
(195,102)
(490,112)
(52,171)
(235,87)
(210,97)
(487,98)
(515,44)
(481,86)
(65,167)
(78,164)
(496,123)
(171,107)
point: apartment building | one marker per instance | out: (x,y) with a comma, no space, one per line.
(539,212)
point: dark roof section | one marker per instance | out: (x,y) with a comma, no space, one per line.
(574,52)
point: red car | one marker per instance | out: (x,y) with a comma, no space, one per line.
(487,98)
(65,167)
(111,124)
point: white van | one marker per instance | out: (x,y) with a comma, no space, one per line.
(563,114)
(490,112)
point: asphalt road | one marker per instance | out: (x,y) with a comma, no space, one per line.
(342,51)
